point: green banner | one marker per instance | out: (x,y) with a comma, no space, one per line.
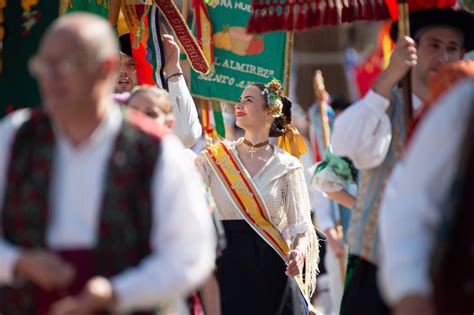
(240,58)
(99,7)
(23,30)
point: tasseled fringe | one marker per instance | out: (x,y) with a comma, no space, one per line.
(289,15)
(311,264)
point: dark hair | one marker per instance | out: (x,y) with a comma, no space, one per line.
(278,127)
(340,103)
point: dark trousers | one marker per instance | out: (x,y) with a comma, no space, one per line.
(362,295)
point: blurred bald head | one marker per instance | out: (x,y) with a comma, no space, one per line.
(77,62)
(91,32)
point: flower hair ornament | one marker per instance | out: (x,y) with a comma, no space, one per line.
(273,95)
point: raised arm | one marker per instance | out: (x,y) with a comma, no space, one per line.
(363,131)
(187,127)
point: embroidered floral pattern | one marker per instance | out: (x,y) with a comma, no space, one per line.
(30,17)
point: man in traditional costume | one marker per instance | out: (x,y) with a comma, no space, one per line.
(372,133)
(427,213)
(91,219)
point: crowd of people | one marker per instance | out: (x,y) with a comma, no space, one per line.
(108,207)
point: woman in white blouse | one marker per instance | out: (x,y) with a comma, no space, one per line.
(265,248)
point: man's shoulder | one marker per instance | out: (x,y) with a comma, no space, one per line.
(23,118)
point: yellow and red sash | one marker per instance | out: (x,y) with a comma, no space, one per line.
(247,200)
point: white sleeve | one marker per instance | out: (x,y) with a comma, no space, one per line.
(183,243)
(414,197)
(187,127)
(363,132)
(323,209)
(8,128)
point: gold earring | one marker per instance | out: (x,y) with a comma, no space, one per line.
(267,125)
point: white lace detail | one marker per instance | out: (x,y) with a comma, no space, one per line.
(328,181)
(294,229)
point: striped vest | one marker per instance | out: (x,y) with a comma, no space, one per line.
(364,237)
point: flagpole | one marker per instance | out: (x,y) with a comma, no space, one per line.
(322,100)
(321,97)
(184,10)
(404,30)
(114,11)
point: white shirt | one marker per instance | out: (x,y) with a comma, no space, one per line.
(415,193)
(187,127)
(324,210)
(363,131)
(181,238)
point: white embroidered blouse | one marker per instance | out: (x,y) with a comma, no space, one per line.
(282,185)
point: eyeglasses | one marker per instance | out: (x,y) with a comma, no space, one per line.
(40,67)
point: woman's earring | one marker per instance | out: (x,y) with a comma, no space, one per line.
(267,125)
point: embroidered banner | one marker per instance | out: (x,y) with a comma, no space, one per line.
(191,48)
(99,7)
(240,58)
(21,27)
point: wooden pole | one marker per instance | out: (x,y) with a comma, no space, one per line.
(63,6)
(404,30)
(322,97)
(185,10)
(114,11)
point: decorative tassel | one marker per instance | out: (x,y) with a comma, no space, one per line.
(347,14)
(288,20)
(377,9)
(368,9)
(301,21)
(330,14)
(360,9)
(381,11)
(314,15)
(274,16)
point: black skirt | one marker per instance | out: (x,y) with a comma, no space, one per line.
(252,276)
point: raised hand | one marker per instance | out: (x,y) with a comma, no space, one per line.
(404,57)
(171,51)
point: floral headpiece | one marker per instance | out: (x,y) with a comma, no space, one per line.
(274,94)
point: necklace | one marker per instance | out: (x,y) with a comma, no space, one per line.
(254,146)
